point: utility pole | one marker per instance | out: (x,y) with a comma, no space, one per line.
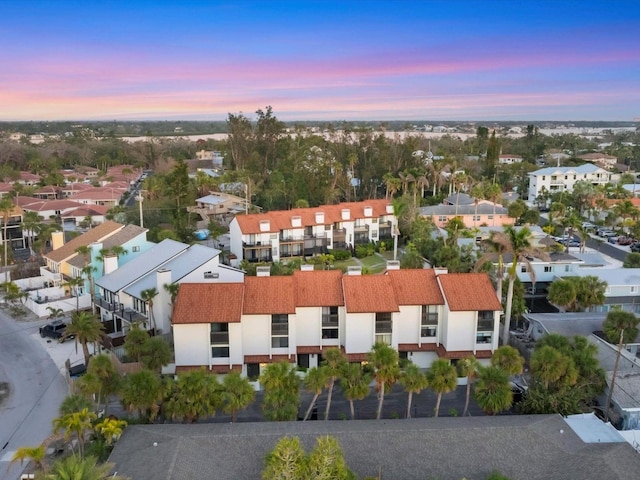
(140,198)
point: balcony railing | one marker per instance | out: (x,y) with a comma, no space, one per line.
(220,338)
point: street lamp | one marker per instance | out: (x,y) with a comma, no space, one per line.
(140,198)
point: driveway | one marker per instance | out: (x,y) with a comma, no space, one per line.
(33,387)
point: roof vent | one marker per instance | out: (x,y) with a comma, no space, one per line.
(263,271)
(296,221)
(265,225)
(346,214)
(354,270)
(307,267)
(368,211)
(393,265)
(320,217)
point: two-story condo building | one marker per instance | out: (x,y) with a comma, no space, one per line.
(244,326)
(282,234)
(562,179)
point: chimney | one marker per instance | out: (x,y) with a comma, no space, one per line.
(263,271)
(110,264)
(320,217)
(354,270)
(441,270)
(307,267)
(368,211)
(393,265)
(57,240)
(346,214)
(162,302)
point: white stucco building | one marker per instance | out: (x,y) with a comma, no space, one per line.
(244,326)
(562,179)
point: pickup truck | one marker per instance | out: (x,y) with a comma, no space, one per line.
(53,330)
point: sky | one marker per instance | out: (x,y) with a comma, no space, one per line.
(320,60)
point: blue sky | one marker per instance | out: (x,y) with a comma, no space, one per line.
(440,60)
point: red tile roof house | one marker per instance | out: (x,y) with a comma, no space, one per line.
(306,231)
(243,326)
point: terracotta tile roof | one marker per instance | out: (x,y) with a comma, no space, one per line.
(301,350)
(23,200)
(208,303)
(94,235)
(269,295)
(416,287)
(6,187)
(48,205)
(282,219)
(469,291)
(87,210)
(369,293)
(319,288)
(101,193)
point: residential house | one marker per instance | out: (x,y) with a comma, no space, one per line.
(11,232)
(623,288)
(120,299)
(601,159)
(219,206)
(562,179)
(75,217)
(107,195)
(473,212)
(243,326)
(299,232)
(47,209)
(508,159)
(48,192)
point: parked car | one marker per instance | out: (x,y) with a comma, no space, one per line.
(588,225)
(635,247)
(53,330)
(625,240)
(573,241)
(607,234)
(601,230)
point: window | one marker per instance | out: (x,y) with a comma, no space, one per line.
(303,360)
(140,306)
(484,331)
(543,177)
(634,289)
(219,338)
(383,327)
(135,248)
(329,322)
(429,321)
(523,269)
(567,268)
(253,371)
(280,331)
(211,275)
(490,217)
(374,234)
(442,218)
(476,218)
(548,268)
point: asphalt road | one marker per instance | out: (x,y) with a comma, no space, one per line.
(34,388)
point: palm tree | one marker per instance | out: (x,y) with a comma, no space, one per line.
(88,270)
(194,395)
(441,378)
(492,390)
(623,327)
(6,209)
(36,455)
(286,461)
(562,293)
(553,368)
(413,381)
(110,429)
(55,313)
(334,361)
(172,289)
(31,223)
(237,394)
(508,359)
(518,244)
(386,370)
(355,384)
(155,354)
(147,296)
(468,367)
(107,378)
(74,403)
(142,392)
(74,286)
(78,468)
(75,424)
(399,209)
(494,251)
(85,329)
(281,392)
(135,342)
(315,381)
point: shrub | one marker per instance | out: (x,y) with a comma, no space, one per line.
(340,254)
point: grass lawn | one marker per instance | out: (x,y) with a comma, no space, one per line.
(374,263)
